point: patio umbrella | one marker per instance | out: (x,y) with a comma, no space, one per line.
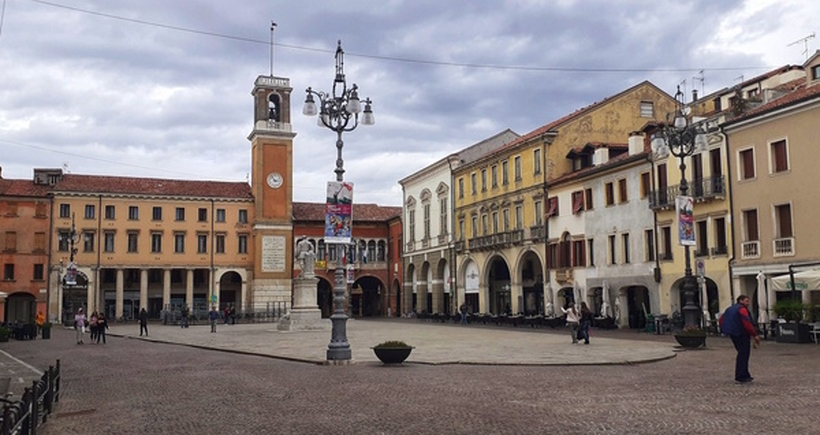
(605,304)
(704,299)
(762,299)
(549,310)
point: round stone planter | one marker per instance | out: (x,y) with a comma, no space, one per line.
(392,355)
(691,341)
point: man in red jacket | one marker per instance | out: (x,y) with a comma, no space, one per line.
(737,324)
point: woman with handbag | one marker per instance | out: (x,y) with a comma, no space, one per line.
(572,321)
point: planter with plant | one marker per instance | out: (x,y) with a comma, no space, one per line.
(5,333)
(392,352)
(794,330)
(691,337)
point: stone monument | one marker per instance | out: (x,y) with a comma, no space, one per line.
(305,314)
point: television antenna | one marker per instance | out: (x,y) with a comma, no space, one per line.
(701,77)
(805,41)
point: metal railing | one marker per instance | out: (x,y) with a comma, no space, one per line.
(783,247)
(700,189)
(750,249)
(272,312)
(31,412)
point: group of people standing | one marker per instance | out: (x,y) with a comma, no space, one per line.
(579,323)
(97,324)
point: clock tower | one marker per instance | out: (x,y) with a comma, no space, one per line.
(272,186)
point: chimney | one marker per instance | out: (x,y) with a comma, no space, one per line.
(1,172)
(694,95)
(636,144)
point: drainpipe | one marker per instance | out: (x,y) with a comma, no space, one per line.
(99,254)
(451,241)
(50,250)
(213,278)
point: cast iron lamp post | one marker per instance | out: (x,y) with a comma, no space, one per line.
(339,111)
(682,138)
(71,268)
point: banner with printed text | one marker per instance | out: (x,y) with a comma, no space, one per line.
(686,220)
(339,212)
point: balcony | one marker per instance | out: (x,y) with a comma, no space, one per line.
(537,233)
(460,245)
(517,237)
(750,250)
(564,275)
(720,250)
(701,190)
(783,247)
(704,252)
(425,242)
(409,247)
(491,242)
(442,239)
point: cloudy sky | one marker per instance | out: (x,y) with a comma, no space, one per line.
(161,89)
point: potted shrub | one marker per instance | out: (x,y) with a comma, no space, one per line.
(46,330)
(793,331)
(691,337)
(392,352)
(5,333)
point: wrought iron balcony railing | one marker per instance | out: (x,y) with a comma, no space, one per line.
(705,189)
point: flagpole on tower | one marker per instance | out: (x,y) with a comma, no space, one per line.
(272,28)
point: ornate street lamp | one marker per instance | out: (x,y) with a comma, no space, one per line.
(339,111)
(71,237)
(682,137)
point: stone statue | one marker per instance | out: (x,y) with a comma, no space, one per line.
(306,256)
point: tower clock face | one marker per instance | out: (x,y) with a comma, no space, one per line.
(275,180)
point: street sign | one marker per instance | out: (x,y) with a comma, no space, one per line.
(213,299)
(701,266)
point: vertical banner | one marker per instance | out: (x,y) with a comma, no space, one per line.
(339,212)
(686,220)
(71,274)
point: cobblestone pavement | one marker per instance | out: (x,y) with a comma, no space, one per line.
(136,386)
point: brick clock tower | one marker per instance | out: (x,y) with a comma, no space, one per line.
(272,185)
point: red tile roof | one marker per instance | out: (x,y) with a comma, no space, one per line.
(152,186)
(801,93)
(611,163)
(22,188)
(309,211)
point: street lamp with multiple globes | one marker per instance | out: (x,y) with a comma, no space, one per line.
(682,137)
(71,237)
(339,111)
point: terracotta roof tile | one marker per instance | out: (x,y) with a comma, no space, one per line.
(801,93)
(22,188)
(310,211)
(152,186)
(611,163)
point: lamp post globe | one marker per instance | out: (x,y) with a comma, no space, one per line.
(339,111)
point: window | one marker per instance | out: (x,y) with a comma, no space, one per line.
(461,187)
(426,208)
(750,233)
(156,213)
(40,210)
(625,242)
(539,214)
(519,217)
(645,185)
(12,208)
(613,255)
(109,241)
(483,180)
(495,222)
(110,212)
(552,207)
(89,211)
(747,164)
(8,271)
(505,215)
(38,272)
(610,193)
(39,242)
(649,245)
(517,168)
(411,224)
(578,254)
(133,239)
(494,176)
(473,183)
(622,196)
(321,250)
(815,72)
(243,216)
(62,240)
(702,239)
(381,252)
(201,243)
(588,198)
(156,242)
(220,244)
(65,210)
(202,215)
(536,161)
(779,156)
(442,216)
(474,227)
(577,201)
(220,215)
(243,243)
(133,213)
(179,214)
(720,237)
(783,215)
(179,243)
(505,173)
(461,229)
(484,225)
(88,242)
(647,109)
(666,240)
(11,241)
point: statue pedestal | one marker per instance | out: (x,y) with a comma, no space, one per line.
(305,314)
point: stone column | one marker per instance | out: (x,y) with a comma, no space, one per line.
(516,297)
(244,295)
(144,288)
(118,305)
(166,289)
(189,289)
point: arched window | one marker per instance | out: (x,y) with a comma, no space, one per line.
(320,251)
(380,254)
(361,251)
(371,250)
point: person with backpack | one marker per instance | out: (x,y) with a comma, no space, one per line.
(736,322)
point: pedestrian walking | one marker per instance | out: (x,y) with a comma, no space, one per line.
(213,316)
(92,325)
(185,313)
(227,314)
(79,325)
(463,310)
(39,320)
(586,321)
(572,321)
(102,325)
(233,314)
(143,322)
(737,324)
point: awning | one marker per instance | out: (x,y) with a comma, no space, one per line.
(805,280)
